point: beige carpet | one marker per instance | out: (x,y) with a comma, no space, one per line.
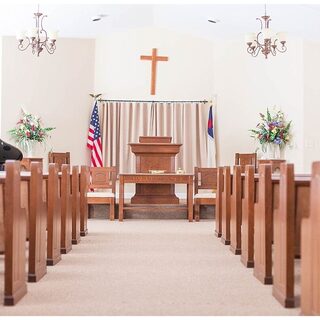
(148,267)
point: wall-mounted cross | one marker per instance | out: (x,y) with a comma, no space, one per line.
(154,59)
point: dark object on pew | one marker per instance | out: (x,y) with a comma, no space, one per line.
(8,152)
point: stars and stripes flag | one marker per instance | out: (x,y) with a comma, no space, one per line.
(94,138)
(210,140)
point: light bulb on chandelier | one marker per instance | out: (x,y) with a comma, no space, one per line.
(265,41)
(37,38)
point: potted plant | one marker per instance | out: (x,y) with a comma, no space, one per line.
(29,131)
(272,132)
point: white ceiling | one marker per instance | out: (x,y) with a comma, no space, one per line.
(74,20)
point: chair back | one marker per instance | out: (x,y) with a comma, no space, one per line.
(243,159)
(205,178)
(59,157)
(103,178)
(275,164)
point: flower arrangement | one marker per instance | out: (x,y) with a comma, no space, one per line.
(272,129)
(29,128)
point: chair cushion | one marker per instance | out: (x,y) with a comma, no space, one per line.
(204,195)
(99,194)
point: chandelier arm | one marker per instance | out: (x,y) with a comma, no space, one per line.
(43,31)
(259,44)
(257,51)
(268,22)
(21,46)
(254,52)
(282,49)
(50,49)
(261,23)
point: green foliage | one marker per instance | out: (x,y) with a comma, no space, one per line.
(29,128)
(272,128)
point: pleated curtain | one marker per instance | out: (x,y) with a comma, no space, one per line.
(124,123)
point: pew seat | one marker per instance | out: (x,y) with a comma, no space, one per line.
(205,195)
(100,194)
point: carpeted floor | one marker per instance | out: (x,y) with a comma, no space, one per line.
(148,267)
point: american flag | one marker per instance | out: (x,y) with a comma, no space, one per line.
(94,138)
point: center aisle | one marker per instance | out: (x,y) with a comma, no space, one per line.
(149,267)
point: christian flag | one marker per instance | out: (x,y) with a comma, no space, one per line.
(94,138)
(211,152)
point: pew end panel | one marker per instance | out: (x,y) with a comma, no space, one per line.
(15,221)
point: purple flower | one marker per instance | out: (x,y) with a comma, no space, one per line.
(277,140)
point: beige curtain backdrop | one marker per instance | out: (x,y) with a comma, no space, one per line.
(123,123)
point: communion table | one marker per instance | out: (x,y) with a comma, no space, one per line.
(159,180)
(155,153)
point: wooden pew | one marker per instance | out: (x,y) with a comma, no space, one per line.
(15,286)
(283,242)
(235,211)
(225,212)
(54,216)
(263,227)
(218,212)
(310,250)
(247,231)
(75,205)
(37,225)
(84,183)
(66,210)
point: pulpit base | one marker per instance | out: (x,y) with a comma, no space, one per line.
(155,194)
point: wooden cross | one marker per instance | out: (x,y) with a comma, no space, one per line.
(154,59)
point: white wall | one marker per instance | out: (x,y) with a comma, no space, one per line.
(200,69)
(0,80)
(311,147)
(55,87)
(120,74)
(246,86)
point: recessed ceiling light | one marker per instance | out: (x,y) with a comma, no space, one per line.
(98,17)
(213,20)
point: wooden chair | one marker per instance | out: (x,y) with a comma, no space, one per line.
(310,250)
(205,179)
(243,159)
(275,164)
(102,179)
(59,157)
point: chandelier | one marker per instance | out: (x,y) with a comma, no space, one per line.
(37,38)
(266,41)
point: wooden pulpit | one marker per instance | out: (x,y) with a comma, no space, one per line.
(155,153)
